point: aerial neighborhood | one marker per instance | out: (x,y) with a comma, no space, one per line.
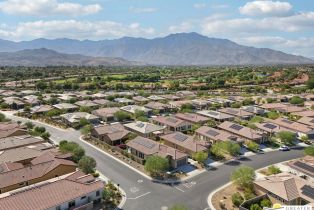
(168,134)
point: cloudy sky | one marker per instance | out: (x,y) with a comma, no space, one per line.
(282,25)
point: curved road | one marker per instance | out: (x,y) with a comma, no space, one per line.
(144,194)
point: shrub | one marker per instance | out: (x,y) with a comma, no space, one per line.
(266,203)
(251,145)
(309,151)
(255,207)
(237,199)
(248,194)
(273,170)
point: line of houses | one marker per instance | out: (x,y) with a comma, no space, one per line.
(35,175)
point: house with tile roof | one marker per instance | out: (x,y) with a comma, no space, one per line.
(142,148)
(214,135)
(237,113)
(215,115)
(106,114)
(113,134)
(244,132)
(71,191)
(145,129)
(74,118)
(286,188)
(302,167)
(43,167)
(192,118)
(8,129)
(299,128)
(172,123)
(185,143)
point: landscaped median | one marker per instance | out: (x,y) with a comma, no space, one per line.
(246,191)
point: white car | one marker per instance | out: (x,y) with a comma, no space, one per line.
(284,148)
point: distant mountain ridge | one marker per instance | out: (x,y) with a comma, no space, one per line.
(174,49)
(46,57)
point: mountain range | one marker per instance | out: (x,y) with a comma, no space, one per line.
(174,49)
(46,57)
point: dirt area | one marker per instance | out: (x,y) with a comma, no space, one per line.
(224,195)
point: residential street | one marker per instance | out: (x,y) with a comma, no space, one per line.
(144,194)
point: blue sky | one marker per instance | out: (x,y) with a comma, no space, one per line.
(282,25)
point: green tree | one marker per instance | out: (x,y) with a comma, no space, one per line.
(87,164)
(200,157)
(186,108)
(45,135)
(52,113)
(121,116)
(243,177)
(83,122)
(178,207)
(40,129)
(223,148)
(86,130)
(310,82)
(286,137)
(256,119)
(29,125)
(139,113)
(296,100)
(237,199)
(236,105)
(71,147)
(2,117)
(255,207)
(85,109)
(251,145)
(309,151)
(156,165)
(272,115)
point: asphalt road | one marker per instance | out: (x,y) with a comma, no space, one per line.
(143,194)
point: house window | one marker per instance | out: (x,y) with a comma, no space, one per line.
(71,204)
(58,208)
(97,193)
(83,197)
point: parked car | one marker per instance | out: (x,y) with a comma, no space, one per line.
(284,148)
(122,146)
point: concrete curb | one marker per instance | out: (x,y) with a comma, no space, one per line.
(210,196)
(106,179)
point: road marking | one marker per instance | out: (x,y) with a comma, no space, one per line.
(140,181)
(189,184)
(134,189)
(139,196)
(179,189)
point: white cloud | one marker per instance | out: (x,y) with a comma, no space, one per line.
(299,46)
(46,8)
(182,27)
(199,5)
(266,8)
(221,25)
(73,29)
(142,10)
